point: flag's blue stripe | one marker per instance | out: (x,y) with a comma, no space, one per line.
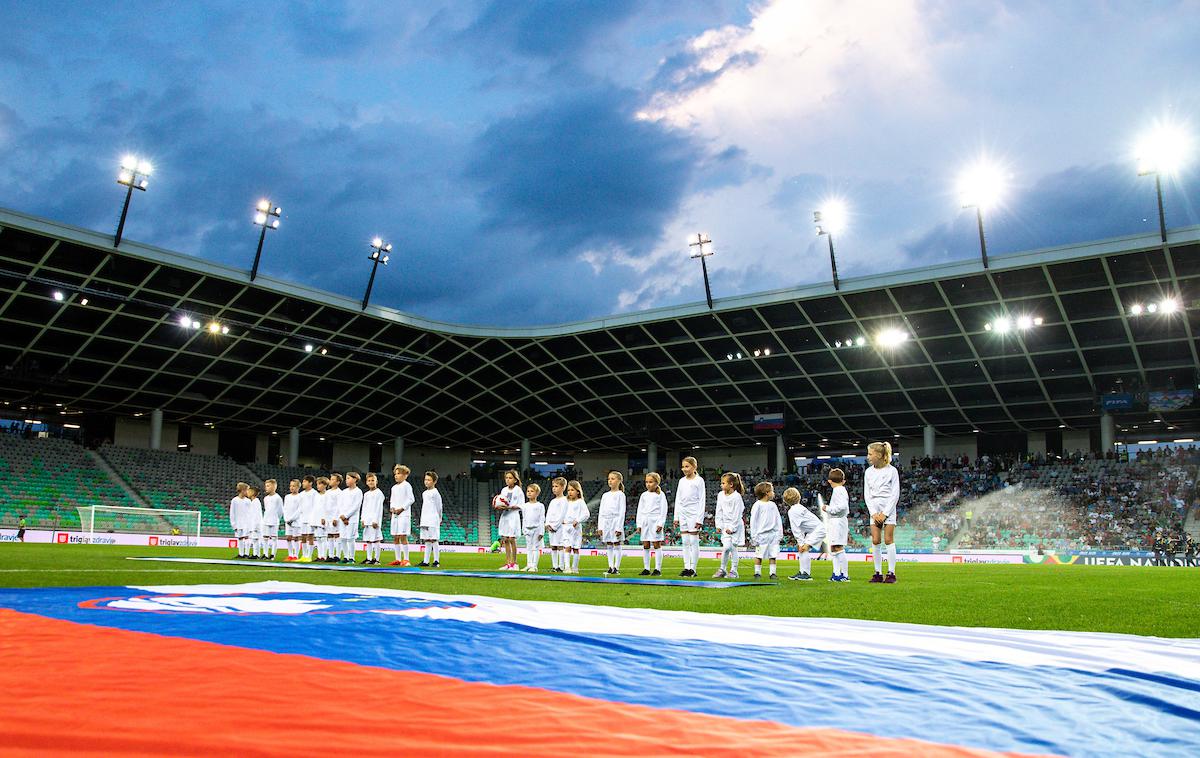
(988,705)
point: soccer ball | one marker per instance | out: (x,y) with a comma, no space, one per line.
(499,503)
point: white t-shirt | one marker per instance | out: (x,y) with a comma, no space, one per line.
(881,489)
(293,505)
(533,516)
(272,509)
(611,514)
(651,509)
(765,523)
(402,497)
(689,503)
(555,512)
(431,507)
(730,509)
(372,507)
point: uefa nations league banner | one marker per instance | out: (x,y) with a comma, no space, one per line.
(1069,693)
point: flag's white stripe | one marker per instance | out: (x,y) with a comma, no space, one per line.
(1086,651)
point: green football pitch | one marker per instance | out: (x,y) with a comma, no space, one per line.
(1163,602)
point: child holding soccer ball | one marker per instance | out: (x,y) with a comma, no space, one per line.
(508,506)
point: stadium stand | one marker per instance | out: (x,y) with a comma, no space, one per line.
(184,481)
(46,480)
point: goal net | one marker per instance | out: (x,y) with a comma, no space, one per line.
(112,519)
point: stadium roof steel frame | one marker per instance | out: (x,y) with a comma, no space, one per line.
(610,383)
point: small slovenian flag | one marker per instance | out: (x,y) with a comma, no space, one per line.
(768,421)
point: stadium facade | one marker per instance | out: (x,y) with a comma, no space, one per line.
(160,340)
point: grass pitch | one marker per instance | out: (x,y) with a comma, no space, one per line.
(1163,602)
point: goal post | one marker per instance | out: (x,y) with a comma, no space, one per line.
(114,519)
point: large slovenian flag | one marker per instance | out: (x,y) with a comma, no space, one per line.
(274,667)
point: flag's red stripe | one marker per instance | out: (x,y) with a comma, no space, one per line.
(72,687)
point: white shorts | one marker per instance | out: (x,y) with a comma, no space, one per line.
(737,539)
(429,533)
(318,530)
(239,533)
(768,551)
(510,524)
(891,519)
(334,528)
(572,536)
(838,531)
(291,530)
(350,531)
(612,535)
(690,524)
(651,531)
(402,524)
(372,533)
(555,537)
(534,537)
(270,530)
(304,529)
(251,534)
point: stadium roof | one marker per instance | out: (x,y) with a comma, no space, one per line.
(613,383)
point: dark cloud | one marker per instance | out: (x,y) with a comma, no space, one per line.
(544,28)
(583,171)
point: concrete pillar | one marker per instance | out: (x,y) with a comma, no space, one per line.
(930,441)
(398,451)
(1108,433)
(525,446)
(156,429)
(652,457)
(293,458)
(782,464)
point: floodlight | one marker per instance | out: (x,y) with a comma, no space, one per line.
(58,296)
(214,327)
(1002,324)
(1152,308)
(1164,149)
(891,338)
(982,185)
(264,206)
(1024,322)
(308,348)
(1136,309)
(832,217)
(185,321)
(860,341)
(1168,305)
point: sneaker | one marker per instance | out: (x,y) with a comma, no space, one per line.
(422,563)
(890,578)
(835,578)
(732,575)
(803,578)
(404,562)
(683,573)
(644,572)
(437,564)
(845,578)
(719,574)
(773,577)
(396,563)
(757,575)
(304,559)
(655,572)
(531,569)
(795,576)
(877,578)
(365,561)
(691,573)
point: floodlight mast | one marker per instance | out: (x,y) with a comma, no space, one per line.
(828,234)
(1163,149)
(134,175)
(380,252)
(702,253)
(266,215)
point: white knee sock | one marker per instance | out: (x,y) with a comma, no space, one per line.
(618,553)
(437,551)
(646,557)
(806,563)
(878,559)
(575,560)
(891,558)
(658,559)
(531,550)
(733,558)
(695,551)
